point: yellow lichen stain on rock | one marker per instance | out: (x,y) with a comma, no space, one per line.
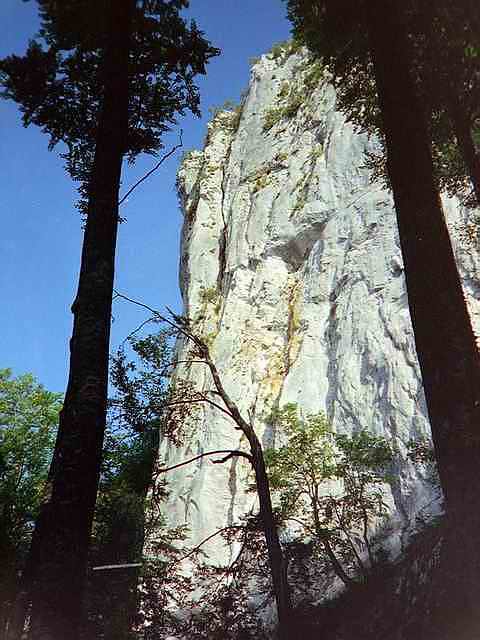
(207,319)
(274,378)
(294,339)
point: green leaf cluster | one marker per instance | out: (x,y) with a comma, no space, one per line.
(330,486)
(443,39)
(58,83)
(28,426)
(128,502)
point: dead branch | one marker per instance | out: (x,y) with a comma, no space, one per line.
(231,453)
(216,533)
(234,454)
(157,166)
(104,567)
(159,316)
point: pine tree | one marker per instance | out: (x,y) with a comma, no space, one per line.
(106,79)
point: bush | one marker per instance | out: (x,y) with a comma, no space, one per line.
(209,295)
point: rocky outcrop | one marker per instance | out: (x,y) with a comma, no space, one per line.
(291,270)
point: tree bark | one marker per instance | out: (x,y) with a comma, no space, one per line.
(58,556)
(337,567)
(275,554)
(445,342)
(277,561)
(463,132)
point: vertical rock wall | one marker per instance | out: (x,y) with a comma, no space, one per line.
(291,269)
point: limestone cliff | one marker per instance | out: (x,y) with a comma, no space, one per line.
(291,269)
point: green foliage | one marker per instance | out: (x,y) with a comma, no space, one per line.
(187,155)
(209,295)
(314,75)
(228,105)
(278,50)
(220,613)
(282,50)
(231,108)
(330,485)
(129,499)
(284,90)
(420,451)
(293,95)
(444,41)
(58,83)
(274,115)
(28,426)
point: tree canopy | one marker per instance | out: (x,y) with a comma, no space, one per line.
(28,426)
(106,79)
(331,487)
(445,63)
(58,82)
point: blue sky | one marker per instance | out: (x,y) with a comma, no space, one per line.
(40,239)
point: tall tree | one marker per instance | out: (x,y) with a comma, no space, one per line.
(443,42)
(445,343)
(106,78)
(185,394)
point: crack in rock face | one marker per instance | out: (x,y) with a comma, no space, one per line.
(312,307)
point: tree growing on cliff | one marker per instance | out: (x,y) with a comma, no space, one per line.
(445,343)
(329,487)
(106,79)
(186,394)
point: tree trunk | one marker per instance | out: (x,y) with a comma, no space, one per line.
(58,555)
(337,567)
(276,558)
(277,561)
(444,338)
(463,132)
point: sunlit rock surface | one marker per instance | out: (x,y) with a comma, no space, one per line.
(291,270)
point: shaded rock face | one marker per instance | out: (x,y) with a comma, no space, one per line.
(399,602)
(291,270)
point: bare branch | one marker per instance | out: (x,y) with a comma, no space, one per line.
(198,547)
(304,526)
(104,567)
(204,398)
(159,164)
(198,399)
(208,453)
(175,362)
(234,454)
(159,316)
(139,328)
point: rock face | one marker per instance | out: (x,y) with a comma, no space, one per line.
(291,270)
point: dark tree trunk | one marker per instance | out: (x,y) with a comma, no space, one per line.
(277,561)
(444,338)
(58,555)
(276,558)
(337,567)
(112,596)
(463,132)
